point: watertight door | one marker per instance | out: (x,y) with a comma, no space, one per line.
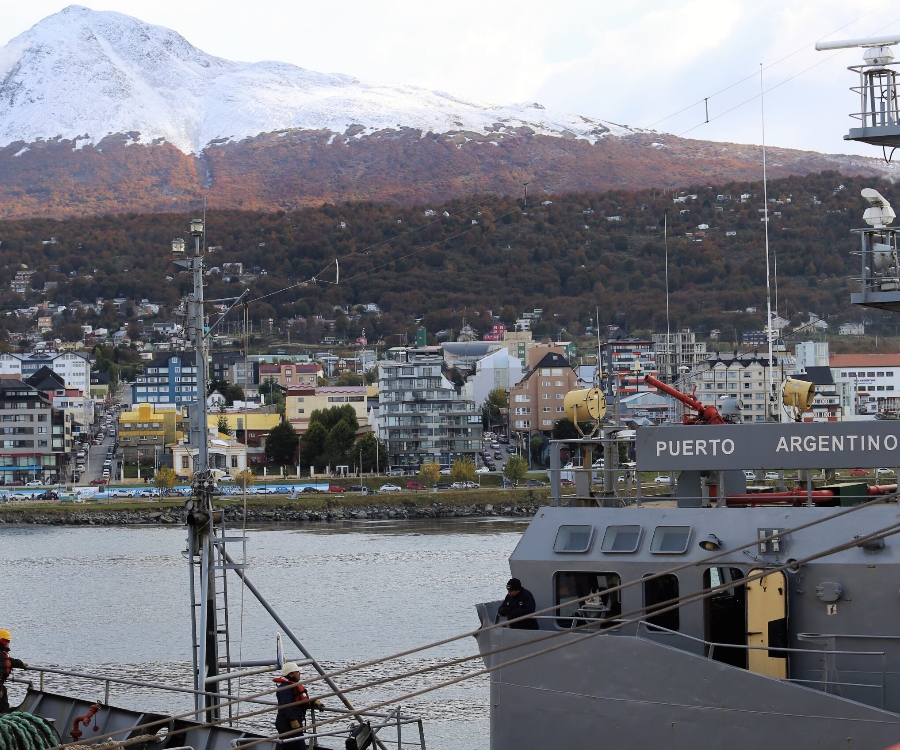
(767,624)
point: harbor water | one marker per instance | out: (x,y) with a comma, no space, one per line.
(116,600)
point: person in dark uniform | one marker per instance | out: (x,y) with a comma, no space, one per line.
(292,717)
(7,664)
(518,603)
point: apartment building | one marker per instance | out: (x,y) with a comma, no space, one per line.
(537,401)
(73,367)
(300,402)
(745,376)
(34,438)
(287,374)
(168,379)
(422,416)
(675,351)
(873,379)
(626,361)
(144,432)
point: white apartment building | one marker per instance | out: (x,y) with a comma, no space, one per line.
(745,376)
(873,379)
(496,370)
(73,368)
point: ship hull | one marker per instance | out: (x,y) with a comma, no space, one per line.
(625,691)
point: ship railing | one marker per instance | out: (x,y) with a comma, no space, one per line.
(828,682)
(392,719)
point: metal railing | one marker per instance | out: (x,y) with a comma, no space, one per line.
(393,719)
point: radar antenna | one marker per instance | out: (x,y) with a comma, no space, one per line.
(879,104)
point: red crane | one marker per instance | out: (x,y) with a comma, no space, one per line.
(704,414)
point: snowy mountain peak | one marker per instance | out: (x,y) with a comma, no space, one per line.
(82,74)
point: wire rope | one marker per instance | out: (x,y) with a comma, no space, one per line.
(639,616)
(790,564)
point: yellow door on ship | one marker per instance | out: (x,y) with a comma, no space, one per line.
(767,624)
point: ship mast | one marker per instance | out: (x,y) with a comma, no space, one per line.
(202,543)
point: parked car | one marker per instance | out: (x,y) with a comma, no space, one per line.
(663,479)
(415,486)
(99,481)
(358,488)
(34,483)
(463,485)
(567,483)
(504,439)
(498,455)
(534,483)
(335,488)
(858,473)
(750,475)
(510,449)
(880,472)
(771,476)
(308,489)
(482,470)
(394,473)
(441,485)
(495,444)
(389,488)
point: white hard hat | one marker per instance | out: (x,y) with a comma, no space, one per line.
(289,667)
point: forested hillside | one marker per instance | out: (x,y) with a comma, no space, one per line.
(566,254)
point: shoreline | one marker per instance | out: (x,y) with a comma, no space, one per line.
(521,504)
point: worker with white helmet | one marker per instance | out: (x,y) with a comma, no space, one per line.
(293,702)
(7,664)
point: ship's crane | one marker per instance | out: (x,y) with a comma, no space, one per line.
(704,414)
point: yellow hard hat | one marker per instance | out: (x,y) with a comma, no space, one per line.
(4,635)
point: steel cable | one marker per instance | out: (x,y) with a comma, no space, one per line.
(675,603)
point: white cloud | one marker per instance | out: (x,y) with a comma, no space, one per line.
(629,62)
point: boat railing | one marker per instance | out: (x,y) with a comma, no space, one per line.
(828,682)
(392,719)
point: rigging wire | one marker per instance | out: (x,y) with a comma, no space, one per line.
(640,615)
(669,571)
(770,65)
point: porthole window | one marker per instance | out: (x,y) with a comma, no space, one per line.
(573,539)
(670,540)
(622,539)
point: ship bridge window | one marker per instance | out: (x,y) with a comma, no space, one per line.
(621,539)
(659,593)
(573,539)
(670,540)
(600,604)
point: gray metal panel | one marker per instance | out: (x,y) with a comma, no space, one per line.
(802,445)
(628,692)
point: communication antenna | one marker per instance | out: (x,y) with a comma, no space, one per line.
(762,110)
(670,369)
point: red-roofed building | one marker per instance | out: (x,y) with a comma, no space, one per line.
(873,378)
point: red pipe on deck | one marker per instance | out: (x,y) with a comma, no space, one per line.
(796,496)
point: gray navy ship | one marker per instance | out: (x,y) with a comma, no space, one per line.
(726,616)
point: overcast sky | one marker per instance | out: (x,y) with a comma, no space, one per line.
(630,62)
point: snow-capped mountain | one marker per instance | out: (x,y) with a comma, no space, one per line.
(83,74)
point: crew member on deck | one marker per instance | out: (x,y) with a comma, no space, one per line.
(7,664)
(518,603)
(292,717)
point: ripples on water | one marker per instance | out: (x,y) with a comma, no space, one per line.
(116,601)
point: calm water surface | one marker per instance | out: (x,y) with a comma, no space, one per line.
(116,600)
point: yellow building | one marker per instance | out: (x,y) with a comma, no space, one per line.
(300,402)
(147,430)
